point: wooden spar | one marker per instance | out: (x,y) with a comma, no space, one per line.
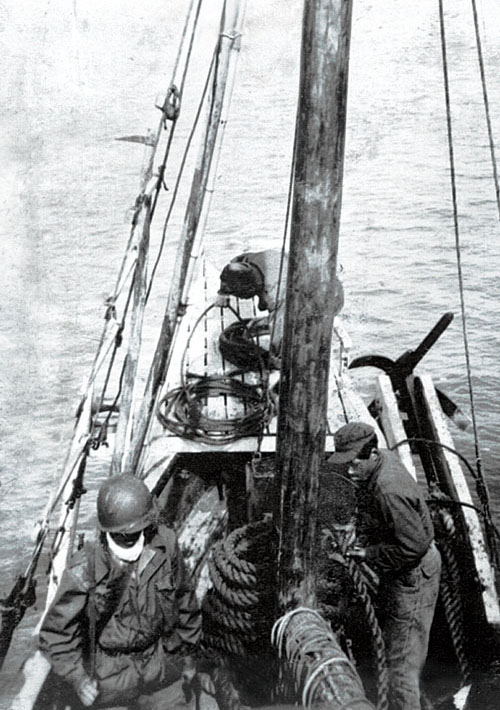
(309,295)
(122,454)
(196,211)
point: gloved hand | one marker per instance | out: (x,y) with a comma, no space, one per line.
(87,691)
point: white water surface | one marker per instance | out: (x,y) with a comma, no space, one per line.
(79,73)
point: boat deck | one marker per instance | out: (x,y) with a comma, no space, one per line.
(196,355)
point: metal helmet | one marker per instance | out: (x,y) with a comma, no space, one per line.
(124,504)
(241,279)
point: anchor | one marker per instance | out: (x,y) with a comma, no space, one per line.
(398,370)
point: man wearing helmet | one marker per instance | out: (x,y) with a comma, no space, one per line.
(124,618)
(258,274)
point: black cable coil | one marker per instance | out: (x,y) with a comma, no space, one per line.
(237,345)
(181,410)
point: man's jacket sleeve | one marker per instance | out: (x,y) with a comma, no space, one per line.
(60,637)
(410,539)
(188,628)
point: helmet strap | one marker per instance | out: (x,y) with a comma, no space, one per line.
(126,554)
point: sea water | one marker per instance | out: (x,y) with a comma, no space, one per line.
(77,75)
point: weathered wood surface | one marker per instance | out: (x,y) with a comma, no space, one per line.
(391,422)
(120,462)
(457,487)
(310,292)
(203,357)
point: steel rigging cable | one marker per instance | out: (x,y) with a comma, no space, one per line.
(480,482)
(181,409)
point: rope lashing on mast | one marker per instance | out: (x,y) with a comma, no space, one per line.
(181,409)
(480,481)
(320,667)
(171,106)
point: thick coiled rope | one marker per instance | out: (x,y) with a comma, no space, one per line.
(240,568)
(238,610)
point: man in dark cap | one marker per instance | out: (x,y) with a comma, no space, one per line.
(395,536)
(258,274)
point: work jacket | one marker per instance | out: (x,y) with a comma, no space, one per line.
(393,520)
(145,610)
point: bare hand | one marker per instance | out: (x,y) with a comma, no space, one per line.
(206,683)
(87,691)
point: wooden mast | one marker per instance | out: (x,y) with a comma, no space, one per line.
(310,289)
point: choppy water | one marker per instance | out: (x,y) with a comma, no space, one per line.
(78,74)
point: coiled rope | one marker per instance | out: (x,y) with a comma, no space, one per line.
(181,409)
(319,665)
(237,611)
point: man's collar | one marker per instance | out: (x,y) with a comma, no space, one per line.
(105,565)
(372,478)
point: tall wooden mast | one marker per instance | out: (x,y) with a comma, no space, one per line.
(310,289)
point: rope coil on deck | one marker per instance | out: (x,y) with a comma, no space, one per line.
(237,613)
(318,663)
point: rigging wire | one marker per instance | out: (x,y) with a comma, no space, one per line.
(180,410)
(485,497)
(163,164)
(286,224)
(122,278)
(486,104)
(180,173)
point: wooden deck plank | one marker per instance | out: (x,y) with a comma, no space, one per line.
(203,357)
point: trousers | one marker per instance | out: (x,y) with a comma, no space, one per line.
(409,603)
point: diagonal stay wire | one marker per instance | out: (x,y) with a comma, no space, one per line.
(486,105)
(161,171)
(457,235)
(179,175)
